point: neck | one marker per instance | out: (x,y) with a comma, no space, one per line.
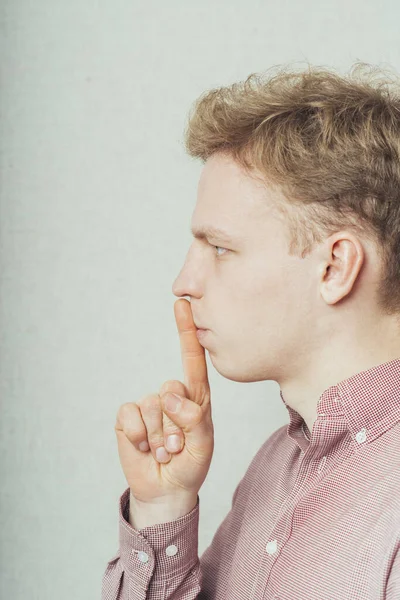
(348,353)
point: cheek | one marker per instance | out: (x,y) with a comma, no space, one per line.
(270,300)
(265,284)
(256,292)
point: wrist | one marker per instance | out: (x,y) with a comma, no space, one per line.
(146,514)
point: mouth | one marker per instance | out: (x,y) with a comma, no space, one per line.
(200,333)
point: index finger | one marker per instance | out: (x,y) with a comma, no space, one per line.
(193,353)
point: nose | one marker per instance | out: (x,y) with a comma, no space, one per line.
(181,288)
(175,288)
(187,281)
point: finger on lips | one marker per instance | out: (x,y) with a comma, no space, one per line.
(163,437)
(193,353)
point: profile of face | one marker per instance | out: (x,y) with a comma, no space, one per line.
(257,302)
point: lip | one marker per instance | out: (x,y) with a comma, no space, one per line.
(200,333)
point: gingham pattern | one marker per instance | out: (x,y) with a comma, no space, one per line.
(314,517)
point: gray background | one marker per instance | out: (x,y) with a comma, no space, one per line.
(96,200)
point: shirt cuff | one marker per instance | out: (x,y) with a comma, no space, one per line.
(158,552)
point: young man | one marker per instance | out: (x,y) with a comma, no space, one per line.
(300,191)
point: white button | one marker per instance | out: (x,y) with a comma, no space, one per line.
(143,557)
(361,436)
(271,547)
(171,550)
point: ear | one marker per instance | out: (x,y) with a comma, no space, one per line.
(344,258)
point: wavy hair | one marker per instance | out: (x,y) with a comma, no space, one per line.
(330,142)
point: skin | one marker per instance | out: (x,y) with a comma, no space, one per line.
(306,323)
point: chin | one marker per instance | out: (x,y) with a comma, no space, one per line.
(231,374)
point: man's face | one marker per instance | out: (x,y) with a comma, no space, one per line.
(257,302)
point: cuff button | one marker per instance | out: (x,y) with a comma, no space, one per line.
(171,550)
(143,557)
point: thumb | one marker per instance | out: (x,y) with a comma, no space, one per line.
(175,386)
(191,418)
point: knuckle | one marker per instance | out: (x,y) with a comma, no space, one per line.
(169,382)
(172,430)
(134,431)
(133,436)
(169,426)
(192,353)
(125,412)
(197,414)
(130,422)
(156,440)
(150,404)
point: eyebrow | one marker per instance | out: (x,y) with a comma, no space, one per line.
(211,232)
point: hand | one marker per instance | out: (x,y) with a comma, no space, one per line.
(150,480)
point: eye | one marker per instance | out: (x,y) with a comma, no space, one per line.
(219,247)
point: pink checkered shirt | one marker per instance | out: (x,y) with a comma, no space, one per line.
(313,518)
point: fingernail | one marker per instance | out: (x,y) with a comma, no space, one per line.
(173,443)
(161,454)
(173,403)
(143,446)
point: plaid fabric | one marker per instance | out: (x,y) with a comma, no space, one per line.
(315,517)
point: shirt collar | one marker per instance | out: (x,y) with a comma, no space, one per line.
(368,403)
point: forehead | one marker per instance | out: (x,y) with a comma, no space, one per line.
(229,200)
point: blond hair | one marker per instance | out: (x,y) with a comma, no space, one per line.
(330,142)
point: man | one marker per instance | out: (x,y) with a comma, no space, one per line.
(301,177)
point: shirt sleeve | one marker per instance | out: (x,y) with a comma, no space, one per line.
(159,562)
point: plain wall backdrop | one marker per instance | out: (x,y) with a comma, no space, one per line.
(97,195)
